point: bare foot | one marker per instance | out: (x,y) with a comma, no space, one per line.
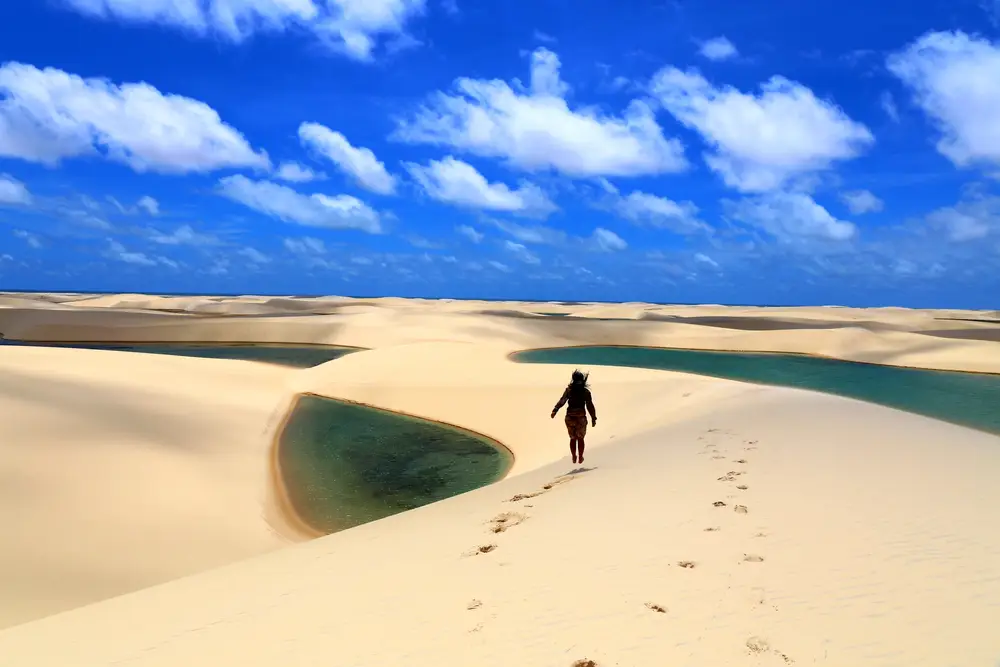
(574,458)
(581,459)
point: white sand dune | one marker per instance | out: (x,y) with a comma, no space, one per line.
(866,538)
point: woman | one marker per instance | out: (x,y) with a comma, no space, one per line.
(578,396)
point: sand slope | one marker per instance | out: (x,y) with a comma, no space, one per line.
(865,539)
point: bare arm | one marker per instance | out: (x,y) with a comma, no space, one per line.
(562,402)
(591,409)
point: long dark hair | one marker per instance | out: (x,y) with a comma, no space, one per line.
(579,380)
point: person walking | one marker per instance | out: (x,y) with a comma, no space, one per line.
(577,395)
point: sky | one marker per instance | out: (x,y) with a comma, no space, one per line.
(773,152)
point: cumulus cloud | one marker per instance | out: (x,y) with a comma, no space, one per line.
(117,251)
(470,233)
(606,240)
(519,251)
(718,48)
(13,191)
(860,202)
(306,245)
(149,205)
(643,208)
(351,27)
(358,163)
(974,218)
(790,217)
(535,129)
(455,182)
(293,172)
(183,235)
(47,115)
(316,210)
(955,80)
(31,239)
(761,141)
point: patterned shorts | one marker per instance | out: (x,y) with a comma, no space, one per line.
(576,426)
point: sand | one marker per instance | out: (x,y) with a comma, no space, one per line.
(143,527)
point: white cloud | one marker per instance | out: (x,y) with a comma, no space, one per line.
(718,48)
(975,217)
(643,208)
(253,255)
(791,217)
(456,182)
(48,115)
(860,202)
(149,205)
(293,172)
(183,235)
(119,252)
(705,259)
(534,234)
(499,266)
(358,163)
(606,240)
(306,245)
(352,27)
(470,233)
(535,129)
(31,239)
(888,104)
(761,141)
(544,37)
(283,203)
(519,251)
(955,79)
(13,191)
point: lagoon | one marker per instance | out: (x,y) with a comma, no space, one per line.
(345,464)
(291,355)
(967,399)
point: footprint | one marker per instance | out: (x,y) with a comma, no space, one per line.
(584,663)
(482,549)
(475,604)
(712,529)
(760,535)
(655,607)
(741,509)
(686,564)
(717,457)
(730,476)
(742,487)
(751,558)
(758,645)
(718,503)
(502,522)
(548,487)
(741,461)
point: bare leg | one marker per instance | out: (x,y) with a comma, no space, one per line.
(579,447)
(572,448)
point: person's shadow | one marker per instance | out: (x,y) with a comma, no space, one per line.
(580,471)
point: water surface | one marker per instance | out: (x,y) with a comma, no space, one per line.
(346,464)
(296,356)
(969,399)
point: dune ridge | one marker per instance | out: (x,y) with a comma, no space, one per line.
(713,522)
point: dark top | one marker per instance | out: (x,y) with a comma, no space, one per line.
(578,396)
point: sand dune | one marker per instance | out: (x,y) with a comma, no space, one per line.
(843,530)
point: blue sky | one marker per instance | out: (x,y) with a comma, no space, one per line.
(775,152)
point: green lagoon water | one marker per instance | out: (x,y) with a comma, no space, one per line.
(969,399)
(345,464)
(296,356)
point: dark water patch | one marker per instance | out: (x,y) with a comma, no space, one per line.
(345,464)
(295,356)
(968,399)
